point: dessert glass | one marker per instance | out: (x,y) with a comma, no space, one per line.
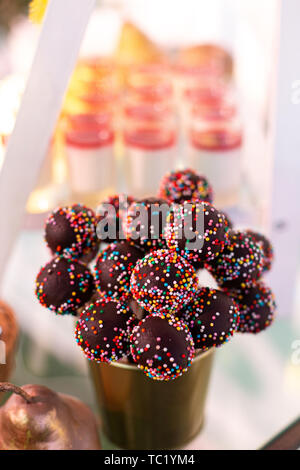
(90,151)
(9,332)
(139,413)
(215,143)
(150,138)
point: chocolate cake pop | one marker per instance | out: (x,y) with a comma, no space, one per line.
(266,247)
(103,329)
(162,347)
(71,231)
(257,308)
(163,282)
(196,231)
(114,216)
(114,267)
(185,185)
(240,264)
(64,285)
(37,418)
(212,318)
(146,221)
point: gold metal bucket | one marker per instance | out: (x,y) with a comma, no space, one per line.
(139,413)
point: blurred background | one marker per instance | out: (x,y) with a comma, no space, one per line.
(159,85)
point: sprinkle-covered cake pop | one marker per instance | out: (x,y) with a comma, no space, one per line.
(64,285)
(163,282)
(266,247)
(212,318)
(257,308)
(114,211)
(103,330)
(162,347)
(197,231)
(240,264)
(146,221)
(186,185)
(71,231)
(114,267)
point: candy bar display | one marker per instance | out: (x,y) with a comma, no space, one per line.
(143,318)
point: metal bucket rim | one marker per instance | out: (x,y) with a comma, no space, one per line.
(200,355)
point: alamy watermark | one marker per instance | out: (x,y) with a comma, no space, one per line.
(152,221)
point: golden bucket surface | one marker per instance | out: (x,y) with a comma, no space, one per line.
(139,413)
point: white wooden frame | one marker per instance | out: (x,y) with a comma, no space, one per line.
(55,59)
(285,158)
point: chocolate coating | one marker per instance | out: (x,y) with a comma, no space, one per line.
(162,347)
(64,285)
(196,231)
(240,264)
(71,231)
(114,217)
(103,329)
(266,247)
(186,185)
(212,318)
(257,308)
(146,221)
(163,282)
(114,267)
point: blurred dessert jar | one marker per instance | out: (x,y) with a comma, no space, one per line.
(199,65)
(90,151)
(215,142)
(150,146)
(150,83)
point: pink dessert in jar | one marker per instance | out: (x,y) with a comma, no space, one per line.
(90,150)
(215,142)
